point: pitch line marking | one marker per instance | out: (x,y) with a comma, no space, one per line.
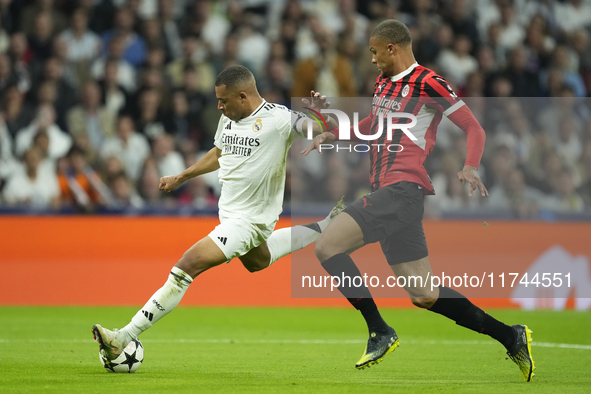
(306,342)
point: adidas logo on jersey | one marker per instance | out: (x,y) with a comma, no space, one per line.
(223,239)
(228,126)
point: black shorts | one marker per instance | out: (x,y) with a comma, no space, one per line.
(393,215)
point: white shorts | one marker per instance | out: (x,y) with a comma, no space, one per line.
(237,236)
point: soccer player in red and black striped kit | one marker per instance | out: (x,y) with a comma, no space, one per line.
(392,214)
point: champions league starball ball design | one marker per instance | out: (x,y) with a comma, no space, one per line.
(128,361)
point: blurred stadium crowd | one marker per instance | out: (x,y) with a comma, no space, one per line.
(99,98)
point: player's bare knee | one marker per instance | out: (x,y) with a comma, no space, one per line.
(256,266)
(187,265)
(423,302)
(193,264)
(322,250)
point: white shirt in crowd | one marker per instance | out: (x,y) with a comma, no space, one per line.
(456,68)
(86,47)
(171,164)
(125,73)
(37,193)
(59,141)
(8,163)
(132,154)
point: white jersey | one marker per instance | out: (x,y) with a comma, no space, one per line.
(252,165)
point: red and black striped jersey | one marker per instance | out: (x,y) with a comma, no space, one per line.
(418,91)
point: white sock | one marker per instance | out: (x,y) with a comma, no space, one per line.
(324,222)
(160,304)
(287,240)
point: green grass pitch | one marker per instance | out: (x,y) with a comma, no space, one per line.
(273,350)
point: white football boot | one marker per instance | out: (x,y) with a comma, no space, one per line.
(111,343)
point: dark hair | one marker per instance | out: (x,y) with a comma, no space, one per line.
(155,47)
(234,76)
(111,60)
(124,114)
(76,150)
(81,10)
(394,31)
(117,176)
(189,68)
(190,36)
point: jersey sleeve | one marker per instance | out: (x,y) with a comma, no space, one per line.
(475,135)
(217,140)
(291,125)
(441,96)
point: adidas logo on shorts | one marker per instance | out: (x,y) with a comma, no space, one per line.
(223,239)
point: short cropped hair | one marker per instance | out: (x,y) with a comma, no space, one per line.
(394,31)
(234,76)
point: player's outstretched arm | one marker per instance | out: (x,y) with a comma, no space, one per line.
(318,102)
(469,174)
(475,135)
(325,138)
(208,163)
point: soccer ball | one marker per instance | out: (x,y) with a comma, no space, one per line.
(128,361)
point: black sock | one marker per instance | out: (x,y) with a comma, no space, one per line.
(371,314)
(314,226)
(343,267)
(455,306)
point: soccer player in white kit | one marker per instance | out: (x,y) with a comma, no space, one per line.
(251,145)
